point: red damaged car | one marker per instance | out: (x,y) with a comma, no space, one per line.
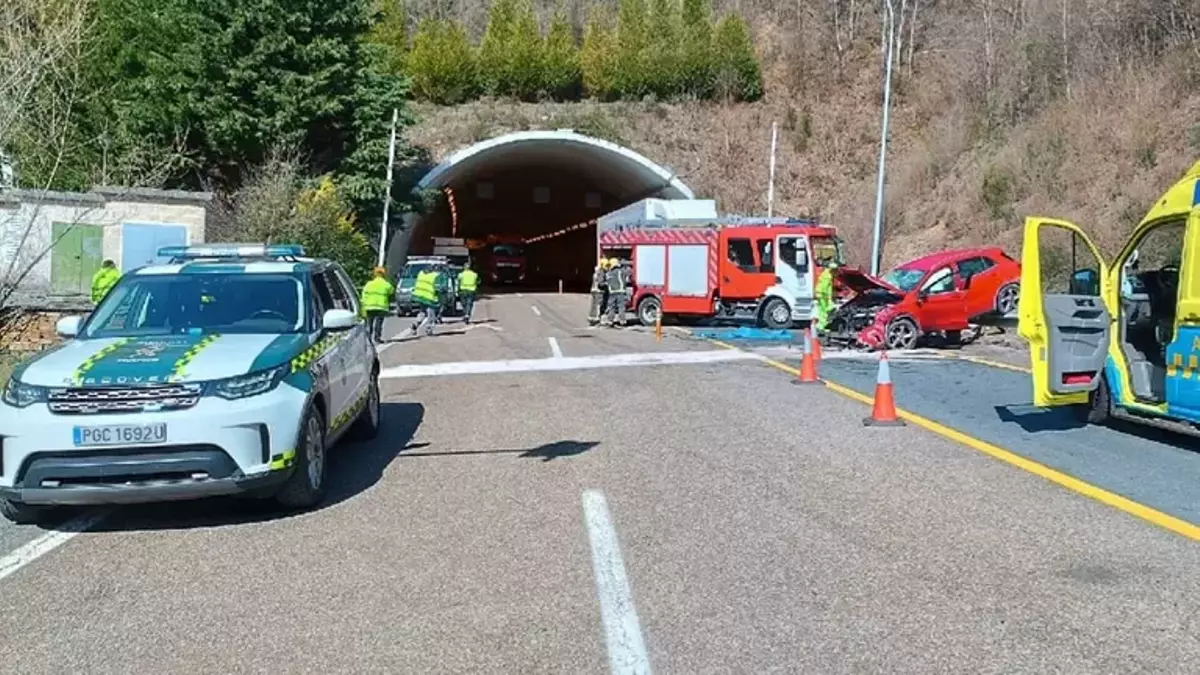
(941,294)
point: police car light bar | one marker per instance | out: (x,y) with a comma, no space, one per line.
(232,251)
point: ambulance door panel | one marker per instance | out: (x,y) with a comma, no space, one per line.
(1061,311)
(1183,354)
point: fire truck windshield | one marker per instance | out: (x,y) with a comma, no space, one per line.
(828,248)
(507,250)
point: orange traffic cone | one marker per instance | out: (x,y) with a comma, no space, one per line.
(883,412)
(816,340)
(808,366)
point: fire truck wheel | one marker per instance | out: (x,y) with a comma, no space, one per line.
(648,310)
(776,314)
(901,333)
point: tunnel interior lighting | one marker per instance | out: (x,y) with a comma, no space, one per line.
(453,211)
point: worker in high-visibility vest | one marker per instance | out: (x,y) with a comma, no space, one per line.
(617,299)
(824,293)
(468,285)
(104,279)
(425,295)
(377,301)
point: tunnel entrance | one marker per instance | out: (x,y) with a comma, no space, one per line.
(535,194)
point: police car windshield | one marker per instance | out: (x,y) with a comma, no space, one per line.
(411,270)
(170,304)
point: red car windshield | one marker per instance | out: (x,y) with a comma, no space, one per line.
(904,278)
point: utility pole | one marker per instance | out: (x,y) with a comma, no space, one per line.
(387,198)
(883,139)
(771,180)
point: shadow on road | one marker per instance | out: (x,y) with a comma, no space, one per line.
(353,468)
(545,452)
(1033,420)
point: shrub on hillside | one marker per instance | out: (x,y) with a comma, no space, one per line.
(662,48)
(441,63)
(737,73)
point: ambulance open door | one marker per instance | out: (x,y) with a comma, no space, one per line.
(1061,311)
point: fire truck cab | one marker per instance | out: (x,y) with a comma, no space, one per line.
(762,271)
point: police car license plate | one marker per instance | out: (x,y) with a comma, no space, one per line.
(121,434)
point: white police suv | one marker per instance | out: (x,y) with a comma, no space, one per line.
(234,369)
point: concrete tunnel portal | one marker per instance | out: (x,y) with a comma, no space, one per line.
(542,188)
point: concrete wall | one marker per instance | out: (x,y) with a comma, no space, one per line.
(106,207)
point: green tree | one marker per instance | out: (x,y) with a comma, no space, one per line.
(526,54)
(441,63)
(664,62)
(631,78)
(561,70)
(598,56)
(390,31)
(495,49)
(738,74)
(696,67)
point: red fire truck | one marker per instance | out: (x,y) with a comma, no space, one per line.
(751,269)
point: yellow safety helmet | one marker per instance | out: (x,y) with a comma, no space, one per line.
(613,262)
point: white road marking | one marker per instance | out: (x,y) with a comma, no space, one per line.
(473,326)
(622,631)
(535,310)
(567,363)
(49,541)
(555,350)
(854,355)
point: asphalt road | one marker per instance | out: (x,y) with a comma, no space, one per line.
(687,517)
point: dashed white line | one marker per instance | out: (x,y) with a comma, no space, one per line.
(535,310)
(49,541)
(567,363)
(622,631)
(555,350)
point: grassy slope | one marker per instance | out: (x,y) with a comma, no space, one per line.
(1099,158)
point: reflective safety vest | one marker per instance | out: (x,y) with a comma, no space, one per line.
(425,288)
(103,281)
(377,295)
(468,281)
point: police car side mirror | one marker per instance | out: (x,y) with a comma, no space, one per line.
(339,319)
(68,326)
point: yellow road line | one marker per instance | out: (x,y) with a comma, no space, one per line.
(994,364)
(1163,520)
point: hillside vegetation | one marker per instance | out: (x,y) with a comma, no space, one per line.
(1082,109)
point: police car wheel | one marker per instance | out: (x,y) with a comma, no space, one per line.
(21,513)
(366,426)
(306,486)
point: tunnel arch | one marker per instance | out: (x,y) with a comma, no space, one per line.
(492,188)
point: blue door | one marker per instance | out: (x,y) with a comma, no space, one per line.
(140,243)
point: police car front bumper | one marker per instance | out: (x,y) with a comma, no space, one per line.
(216,447)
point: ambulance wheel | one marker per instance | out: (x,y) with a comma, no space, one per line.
(648,310)
(901,333)
(776,314)
(1098,409)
